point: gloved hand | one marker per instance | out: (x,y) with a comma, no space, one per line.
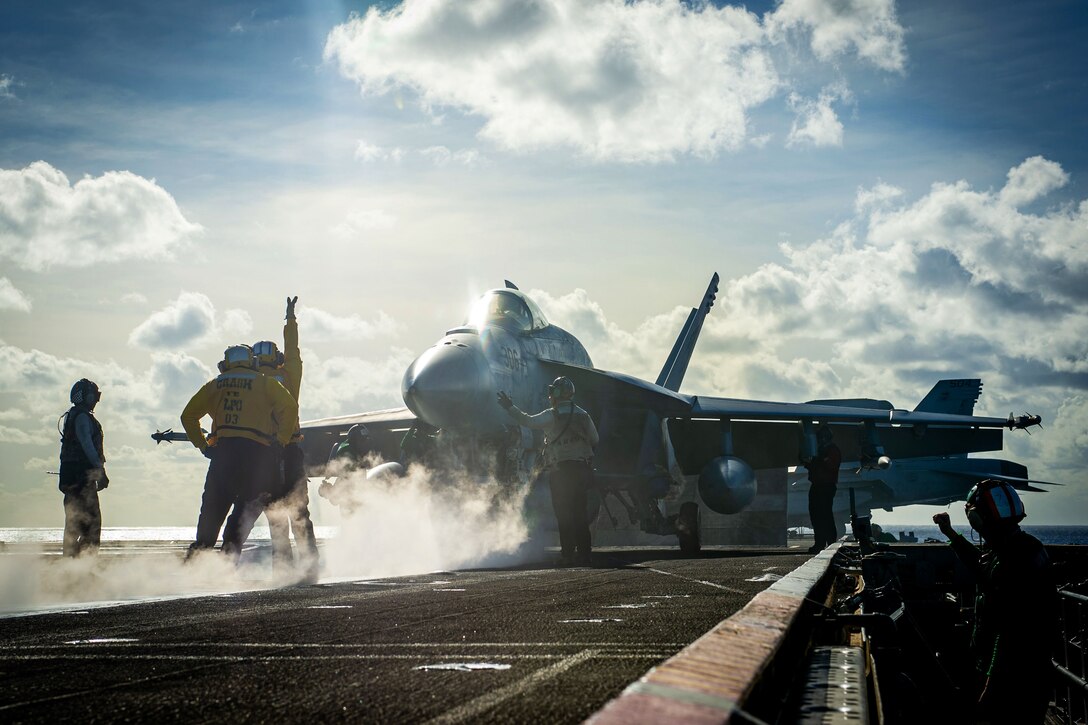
(505,400)
(291,307)
(207,452)
(97,477)
(944,523)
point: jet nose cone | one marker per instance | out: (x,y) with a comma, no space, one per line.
(448,386)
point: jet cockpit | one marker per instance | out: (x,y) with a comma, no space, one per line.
(508,308)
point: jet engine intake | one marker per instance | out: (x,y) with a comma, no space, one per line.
(727,484)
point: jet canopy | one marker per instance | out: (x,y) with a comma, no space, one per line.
(508,308)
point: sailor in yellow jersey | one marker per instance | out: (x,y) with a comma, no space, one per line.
(288,511)
(251,414)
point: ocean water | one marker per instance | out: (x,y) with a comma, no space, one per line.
(1047,534)
(134,533)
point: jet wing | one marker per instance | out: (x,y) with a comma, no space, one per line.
(737,409)
(386,429)
(1020,484)
(600,388)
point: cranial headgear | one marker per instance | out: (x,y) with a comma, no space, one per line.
(267,354)
(562,388)
(993,502)
(85,392)
(237,356)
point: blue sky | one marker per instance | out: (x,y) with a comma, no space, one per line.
(610,156)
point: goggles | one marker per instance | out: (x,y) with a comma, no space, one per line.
(265,347)
(237,354)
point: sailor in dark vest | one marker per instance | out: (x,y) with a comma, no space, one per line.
(82,471)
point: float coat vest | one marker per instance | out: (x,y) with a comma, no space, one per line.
(71,450)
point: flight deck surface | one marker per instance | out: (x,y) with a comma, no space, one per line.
(525,644)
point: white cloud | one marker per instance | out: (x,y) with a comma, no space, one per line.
(442,156)
(877,196)
(133,298)
(319,325)
(344,385)
(21,437)
(6,83)
(358,223)
(1031,180)
(191,319)
(11,298)
(869,28)
(957,283)
(621,81)
(45,221)
(151,485)
(616,81)
(368,152)
(817,124)
(1066,450)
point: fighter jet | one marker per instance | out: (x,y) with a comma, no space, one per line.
(926,480)
(654,439)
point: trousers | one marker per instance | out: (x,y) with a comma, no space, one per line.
(569,482)
(237,476)
(821,497)
(82,513)
(289,513)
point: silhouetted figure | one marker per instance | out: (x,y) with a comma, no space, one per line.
(82,471)
(570,438)
(1015,606)
(251,414)
(823,476)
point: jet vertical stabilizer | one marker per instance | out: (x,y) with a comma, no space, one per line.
(956,397)
(672,374)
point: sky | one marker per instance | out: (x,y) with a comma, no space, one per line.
(892,192)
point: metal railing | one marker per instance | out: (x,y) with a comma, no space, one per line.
(1071,690)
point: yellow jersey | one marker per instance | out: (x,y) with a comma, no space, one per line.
(242,404)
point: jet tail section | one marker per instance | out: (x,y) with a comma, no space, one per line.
(956,397)
(672,374)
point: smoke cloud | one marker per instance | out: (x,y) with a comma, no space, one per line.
(390,525)
(425,521)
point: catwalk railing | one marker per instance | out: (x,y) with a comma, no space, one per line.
(1071,690)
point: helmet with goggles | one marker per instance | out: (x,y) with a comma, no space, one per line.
(237,356)
(85,392)
(562,388)
(267,353)
(993,503)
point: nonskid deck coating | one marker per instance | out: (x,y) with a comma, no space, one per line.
(361,651)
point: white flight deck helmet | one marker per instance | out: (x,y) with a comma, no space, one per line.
(268,354)
(237,356)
